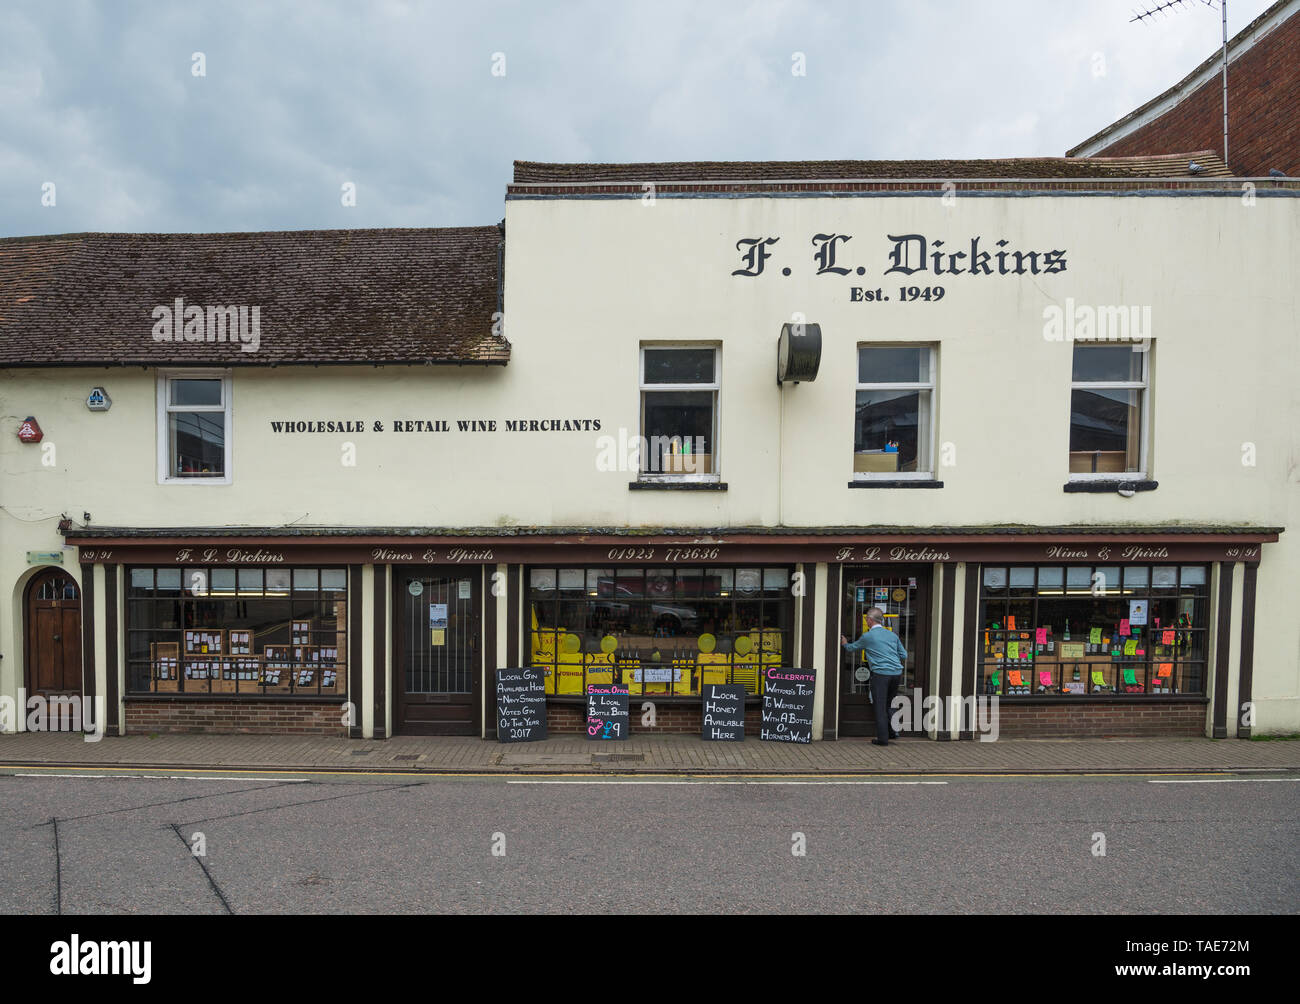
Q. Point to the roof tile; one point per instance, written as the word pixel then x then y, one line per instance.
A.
pixel 326 296
pixel 1173 165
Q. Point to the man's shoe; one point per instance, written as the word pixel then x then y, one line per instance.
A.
pixel 880 742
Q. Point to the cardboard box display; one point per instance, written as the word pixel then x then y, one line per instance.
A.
pixel 686 463
pixel 870 462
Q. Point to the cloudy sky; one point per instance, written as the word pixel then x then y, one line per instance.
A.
pixel 406 100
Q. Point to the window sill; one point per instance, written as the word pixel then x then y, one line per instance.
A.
pixel 227 698
pixel 678 486
pixel 1115 485
pixel 1100 698
pixel 896 483
pixel 751 700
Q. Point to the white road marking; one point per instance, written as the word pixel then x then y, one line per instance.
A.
pixel 706 781
pixel 149 777
pixel 1230 780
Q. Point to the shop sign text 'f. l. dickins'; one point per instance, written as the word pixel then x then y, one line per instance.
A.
pixel 907 255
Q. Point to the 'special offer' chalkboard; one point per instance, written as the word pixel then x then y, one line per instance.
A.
pixel 521 705
pixel 788 705
pixel 607 716
pixel 723 712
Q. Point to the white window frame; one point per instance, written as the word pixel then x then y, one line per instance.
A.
pixel 1144 385
pixel 930 419
pixel 165 377
pixel 715 475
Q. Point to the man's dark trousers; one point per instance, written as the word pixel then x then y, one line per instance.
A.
pixel 883 689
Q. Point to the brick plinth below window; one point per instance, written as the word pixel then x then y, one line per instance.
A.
pixel 235 717
pixel 1100 721
pixel 677 719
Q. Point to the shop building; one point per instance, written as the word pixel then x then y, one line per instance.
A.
pixel 1041 412
pixel 1263 97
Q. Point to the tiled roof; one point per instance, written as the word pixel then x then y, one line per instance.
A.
pixel 326 296
pixel 1162 166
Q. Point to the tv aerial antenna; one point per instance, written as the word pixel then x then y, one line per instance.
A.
pixel 1150 11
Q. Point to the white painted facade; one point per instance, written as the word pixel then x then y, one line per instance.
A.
pixel 589 281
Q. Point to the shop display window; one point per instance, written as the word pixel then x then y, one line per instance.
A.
pixel 1097 630
pixel 224 630
pixel 659 631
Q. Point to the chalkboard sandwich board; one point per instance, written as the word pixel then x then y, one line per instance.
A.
pixel 788 706
pixel 607 716
pixel 521 705
pixel 722 714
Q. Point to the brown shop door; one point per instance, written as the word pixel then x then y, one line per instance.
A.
pixel 53 622
pixel 904 596
pixel 437 651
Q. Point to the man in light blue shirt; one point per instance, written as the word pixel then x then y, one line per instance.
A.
pixel 885 657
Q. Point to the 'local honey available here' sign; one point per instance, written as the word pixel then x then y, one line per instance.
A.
pixel 723 712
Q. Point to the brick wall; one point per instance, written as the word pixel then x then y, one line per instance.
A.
pixel 1097 721
pixel 1263 112
pixel 232 717
pixel 567 719
pixel 1042 721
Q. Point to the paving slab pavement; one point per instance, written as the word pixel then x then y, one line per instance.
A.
pixel 676 754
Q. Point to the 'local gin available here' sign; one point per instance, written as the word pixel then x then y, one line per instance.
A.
pixel 521 705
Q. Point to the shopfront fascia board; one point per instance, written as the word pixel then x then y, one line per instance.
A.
pixel 1145 548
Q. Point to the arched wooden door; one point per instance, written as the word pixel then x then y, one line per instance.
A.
pixel 53 634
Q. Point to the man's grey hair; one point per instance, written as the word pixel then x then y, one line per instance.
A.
pixel 876 616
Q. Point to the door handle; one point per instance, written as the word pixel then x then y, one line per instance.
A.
pixel 58 637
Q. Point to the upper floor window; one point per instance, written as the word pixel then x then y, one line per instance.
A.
pixel 893 421
pixel 194 423
pixel 679 411
pixel 1108 416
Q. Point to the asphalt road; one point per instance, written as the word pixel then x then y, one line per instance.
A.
pixel 96 843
